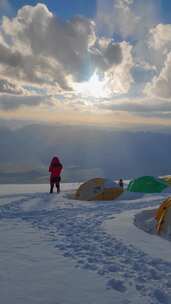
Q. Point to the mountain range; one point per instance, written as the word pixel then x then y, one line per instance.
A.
pixel 85 152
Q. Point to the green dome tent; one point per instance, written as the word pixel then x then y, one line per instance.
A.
pixel 147 184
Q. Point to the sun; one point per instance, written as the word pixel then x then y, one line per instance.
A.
pixel 94 87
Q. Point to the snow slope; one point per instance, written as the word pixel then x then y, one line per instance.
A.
pixel 57 250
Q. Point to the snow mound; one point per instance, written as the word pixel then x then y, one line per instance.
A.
pixel 145 220
pixel 126 195
pixel 167 190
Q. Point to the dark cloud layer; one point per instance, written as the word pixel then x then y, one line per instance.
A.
pixel 8 102
pixel 142 107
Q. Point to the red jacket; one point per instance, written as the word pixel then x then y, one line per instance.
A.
pixel 55 167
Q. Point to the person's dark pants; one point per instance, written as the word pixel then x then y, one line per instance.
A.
pixel 55 181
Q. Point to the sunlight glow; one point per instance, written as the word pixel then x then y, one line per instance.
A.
pixel 93 88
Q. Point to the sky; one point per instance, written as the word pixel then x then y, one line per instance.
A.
pixel 103 62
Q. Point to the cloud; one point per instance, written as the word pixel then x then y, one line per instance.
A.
pixel 116 17
pixel 160 86
pixel 126 18
pixel 30 68
pixel 143 107
pixel 54 56
pixel 133 21
pixel 12 102
pixel 8 57
pixel 160 36
pixel 119 76
pixel 10 88
pixel 38 47
pixel 38 31
pixel 106 53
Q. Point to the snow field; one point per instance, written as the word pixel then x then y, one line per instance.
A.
pixel 96 248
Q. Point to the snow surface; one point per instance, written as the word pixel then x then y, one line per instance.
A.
pixel 56 250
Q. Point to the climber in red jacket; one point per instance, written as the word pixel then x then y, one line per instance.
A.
pixel 55 168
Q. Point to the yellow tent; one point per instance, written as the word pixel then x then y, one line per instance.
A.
pixel 98 189
pixel 167 179
pixel 163 217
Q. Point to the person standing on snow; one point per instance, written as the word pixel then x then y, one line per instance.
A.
pixel 121 184
pixel 55 168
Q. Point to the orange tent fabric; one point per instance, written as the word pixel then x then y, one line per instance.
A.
pixel 161 213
